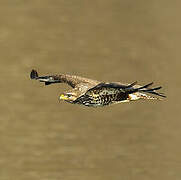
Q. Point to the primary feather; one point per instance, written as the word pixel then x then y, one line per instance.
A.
pixel 94 93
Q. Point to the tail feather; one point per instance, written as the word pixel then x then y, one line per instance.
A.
pixel 145 96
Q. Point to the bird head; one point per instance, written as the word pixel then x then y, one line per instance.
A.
pixel 69 96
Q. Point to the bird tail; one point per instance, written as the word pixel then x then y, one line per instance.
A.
pixel 145 89
pixel 46 79
pixel 138 95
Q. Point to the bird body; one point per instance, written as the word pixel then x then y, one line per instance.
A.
pixel 94 93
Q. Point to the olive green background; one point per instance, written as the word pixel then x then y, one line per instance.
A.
pixel 42 138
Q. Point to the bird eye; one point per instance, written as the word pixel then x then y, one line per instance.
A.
pixel 69 95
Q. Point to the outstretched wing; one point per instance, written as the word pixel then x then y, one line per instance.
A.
pixel 71 80
pixel 112 88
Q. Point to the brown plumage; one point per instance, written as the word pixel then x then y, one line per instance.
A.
pixel 94 93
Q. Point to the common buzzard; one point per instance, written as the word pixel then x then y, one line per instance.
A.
pixel 94 93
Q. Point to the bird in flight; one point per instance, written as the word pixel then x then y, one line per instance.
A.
pixel 94 93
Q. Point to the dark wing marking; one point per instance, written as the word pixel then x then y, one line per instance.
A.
pixel 71 80
pixel 46 79
pixel 112 85
pixel 128 89
pixel 34 74
pixel 150 90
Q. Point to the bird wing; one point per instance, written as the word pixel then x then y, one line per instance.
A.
pixel 112 88
pixel 71 80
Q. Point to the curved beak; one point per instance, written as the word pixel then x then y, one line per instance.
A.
pixel 63 97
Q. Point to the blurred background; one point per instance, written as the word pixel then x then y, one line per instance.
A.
pixel 44 139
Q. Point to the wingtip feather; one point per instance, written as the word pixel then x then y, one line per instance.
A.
pixel 34 74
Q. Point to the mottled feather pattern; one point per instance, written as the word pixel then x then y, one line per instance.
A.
pixel 101 97
pixel 93 93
